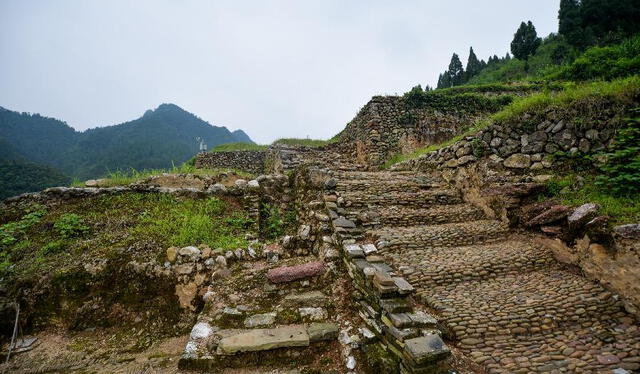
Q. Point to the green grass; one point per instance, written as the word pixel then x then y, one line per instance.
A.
pixel 227 147
pixel 621 91
pixel 313 143
pixel 37 238
pixel 124 178
pixel 193 222
pixel 622 209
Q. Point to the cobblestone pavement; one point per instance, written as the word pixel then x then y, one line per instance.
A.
pixel 504 301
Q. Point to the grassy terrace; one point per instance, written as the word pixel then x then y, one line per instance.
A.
pixel 102 224
pixel 620 91
pixel 126 177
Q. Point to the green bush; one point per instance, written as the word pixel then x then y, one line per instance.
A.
pixel 71 225
pixel 604 62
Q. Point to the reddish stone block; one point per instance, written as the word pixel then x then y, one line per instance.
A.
pixel 291 273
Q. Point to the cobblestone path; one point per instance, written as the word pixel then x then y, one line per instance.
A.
pixel 503 299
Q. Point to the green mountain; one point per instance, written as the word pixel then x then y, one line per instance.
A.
pixel 159 139
pixel 19 176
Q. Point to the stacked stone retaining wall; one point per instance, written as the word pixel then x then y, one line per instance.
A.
pixel 249 161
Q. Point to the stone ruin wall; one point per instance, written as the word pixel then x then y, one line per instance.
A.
pixel 249 161
pixel 385 126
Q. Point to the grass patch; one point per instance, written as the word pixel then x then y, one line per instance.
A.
pixel 35 239
pixel 621 90
pixel 124 178
pixel 242 146
pixel 575 191
pixel 313 143
pixel 192 222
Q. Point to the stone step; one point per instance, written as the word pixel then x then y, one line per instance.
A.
pixel 394 215
pixel 526 303
pixel 380 183
pixel 415 199
pixel 575 349
pixel 429 267
pixel 392 239
pixel 210 348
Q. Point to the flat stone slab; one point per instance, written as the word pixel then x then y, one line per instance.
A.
pixel 286 274
pixel 426 349
pixel 311 298
pixel 265 339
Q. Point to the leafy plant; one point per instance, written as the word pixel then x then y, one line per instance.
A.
pixel 621 172
pixel 272 224
pixel 53 247
pixel 71 225
pixel 477 148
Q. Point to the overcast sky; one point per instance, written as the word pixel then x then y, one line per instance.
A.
pixel 272 68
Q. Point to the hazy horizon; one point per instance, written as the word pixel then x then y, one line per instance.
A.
pixel 282 69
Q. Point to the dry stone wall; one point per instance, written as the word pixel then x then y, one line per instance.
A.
pixel 385 126
pixel 527 144
pixel 249 161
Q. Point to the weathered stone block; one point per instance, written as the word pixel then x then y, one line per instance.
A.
pixel 291 273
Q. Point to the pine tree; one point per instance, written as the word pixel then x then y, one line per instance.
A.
pixel 473 65
pixel 568 17
pixel 444 81
pixel 507 57
pixel 525 41
pixel 456 71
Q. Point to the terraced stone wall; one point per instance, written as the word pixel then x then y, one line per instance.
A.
pixel 530 142
pixel 249 161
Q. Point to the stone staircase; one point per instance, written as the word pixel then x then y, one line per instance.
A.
pixel 501 298
pixel 278 314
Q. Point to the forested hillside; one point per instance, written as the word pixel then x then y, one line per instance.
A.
pixel 159 139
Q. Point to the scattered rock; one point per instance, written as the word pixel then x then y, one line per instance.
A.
pixel 313 313
pixel 553 214
pixel 201 330
pixel 351 362
pixel 582 214
pixel 322 331
pixel 344 223
pixel 189 251
pixel 630 231
pixel 257 320
pixel 172 254
pixel 186 293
